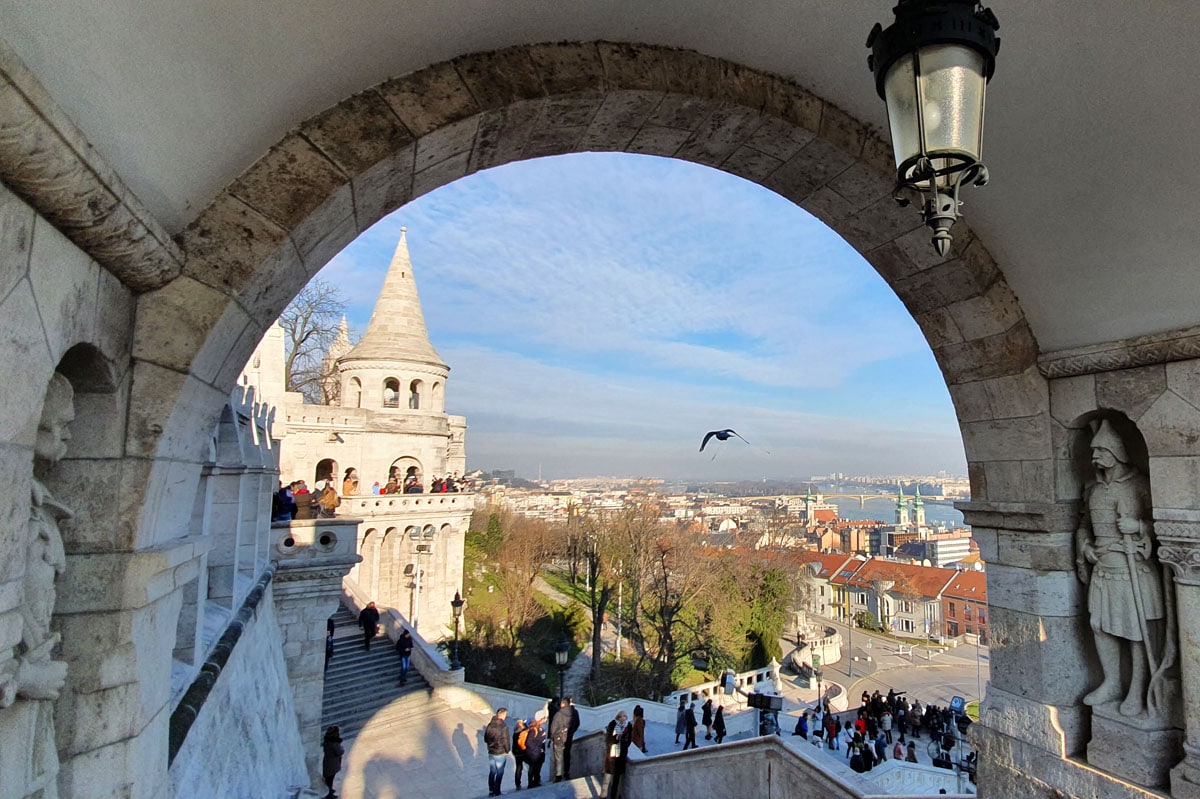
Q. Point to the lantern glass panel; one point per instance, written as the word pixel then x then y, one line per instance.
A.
pixel 952 90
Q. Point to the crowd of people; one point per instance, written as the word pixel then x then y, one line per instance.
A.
pixel 296 501
pixel 551 732
pixel 884 726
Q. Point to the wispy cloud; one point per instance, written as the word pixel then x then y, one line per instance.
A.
pixel 601 311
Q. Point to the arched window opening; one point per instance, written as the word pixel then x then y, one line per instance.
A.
pixel 391 393
pixel 326 469
pixel 414 395
pixel 355 393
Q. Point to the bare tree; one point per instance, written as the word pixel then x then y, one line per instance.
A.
pixel 310 324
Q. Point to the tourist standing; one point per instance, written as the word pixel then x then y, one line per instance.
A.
pixel 638 735
pixel 680 719
pixel 689 721
pixel 535 747
pixel 719 724
pixel 706 720
pixel 572 728
pixel 559 725
pixel 404 647
pixel 498 740
pixel 617 738
pixel 331 760
pixel 368 620
pixel 520 736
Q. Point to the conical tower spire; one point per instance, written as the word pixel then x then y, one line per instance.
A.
pixel 397 331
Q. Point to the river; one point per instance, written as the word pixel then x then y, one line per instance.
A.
pixel 884 509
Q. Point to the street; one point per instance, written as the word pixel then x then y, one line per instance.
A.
pixel 924 674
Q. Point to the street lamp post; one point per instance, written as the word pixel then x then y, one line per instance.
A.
pixel 560 659
pixel 456 605
pixel 816 664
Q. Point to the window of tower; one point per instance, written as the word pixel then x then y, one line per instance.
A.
pixel 355 393
pixel 391 393
pixel 414 395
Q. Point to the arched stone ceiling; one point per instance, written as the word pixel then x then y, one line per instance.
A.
pixel 1090 210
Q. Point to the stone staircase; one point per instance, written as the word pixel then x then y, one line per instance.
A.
pixel 362 686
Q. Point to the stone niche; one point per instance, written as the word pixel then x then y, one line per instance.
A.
pixel 1130 605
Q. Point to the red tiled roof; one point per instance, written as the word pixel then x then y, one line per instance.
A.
pixel 924 581
pixel 970 585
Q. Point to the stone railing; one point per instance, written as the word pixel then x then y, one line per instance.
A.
pixel 766 766
pixel 426 658
pixel 367 505
pixel 747 682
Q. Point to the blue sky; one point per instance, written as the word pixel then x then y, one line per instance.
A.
pixel 601 312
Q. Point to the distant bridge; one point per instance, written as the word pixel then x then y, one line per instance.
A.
pixel 862 498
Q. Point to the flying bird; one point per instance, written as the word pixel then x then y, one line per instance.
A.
pixel 720 435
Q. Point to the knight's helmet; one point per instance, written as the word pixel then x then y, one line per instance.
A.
pixel 1105 437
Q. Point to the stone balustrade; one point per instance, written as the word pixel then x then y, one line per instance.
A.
pixel 365 506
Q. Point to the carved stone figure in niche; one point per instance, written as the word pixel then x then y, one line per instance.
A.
pixel 1132 616
pixel 31 679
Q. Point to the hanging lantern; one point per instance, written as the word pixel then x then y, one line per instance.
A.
pixel 931 67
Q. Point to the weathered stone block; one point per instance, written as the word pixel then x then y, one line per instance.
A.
pixel 995 311
pixel 1010 352
pixel 175 321
pixel 1173 481
pixel 450 141
pixel 654 140
pixel 429 99
pixel 882 221
pixel 24 342
pixel 1183 377
pixel 971 401
pixel 1131 391
pixel 383 187
pixel 720 134
pixel 1148 762
pixel 828 206
pixel 632 66
pixel 441 173
pixel 750 164
pixel 64 281
pixel 1060 729
pixel 500 77
pixel 290 182
pixel 793 104
pixel 937 325
pixel 1007 439
pixel 619 119
pixel 1046 659
pixel 1035 590
pixel 503 133
pixel 358 132
pixel 810 168
pixel 16 240
pixel 1170 426
pixel 842 130
pixel 861 186
pixel 228 243
pixel 116 308
pixel 335 214
pixel 690 73
pixel 569 67
pixel 1072 397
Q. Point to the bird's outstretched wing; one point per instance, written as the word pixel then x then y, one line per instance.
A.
pixel 707 436
pixel 734 433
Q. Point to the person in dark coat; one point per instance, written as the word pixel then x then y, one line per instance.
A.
pixel 331 761
pixel 535 748
pixel 404 648
pixel 719 725
pixel 368 620
pixel 638 727
pixel 518 752
pixel 560 723
pixel 572 728
pixel 680 718
pixel 706 720
pixel 689 721
pixel 498 740
pixel 618 735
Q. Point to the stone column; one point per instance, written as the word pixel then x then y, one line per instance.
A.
pixel 314 555
pixel 1179 548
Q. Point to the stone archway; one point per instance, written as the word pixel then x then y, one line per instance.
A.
pixel 273 228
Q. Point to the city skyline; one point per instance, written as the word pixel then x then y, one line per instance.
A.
pixel 601 312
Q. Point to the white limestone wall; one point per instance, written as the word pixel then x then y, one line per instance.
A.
pixel 245 741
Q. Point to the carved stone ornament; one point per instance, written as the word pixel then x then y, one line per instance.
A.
pixel 30 679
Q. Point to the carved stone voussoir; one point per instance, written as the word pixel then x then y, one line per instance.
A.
pixel 46 161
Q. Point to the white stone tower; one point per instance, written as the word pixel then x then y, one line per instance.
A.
pixel 901 507
pixel 918 509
